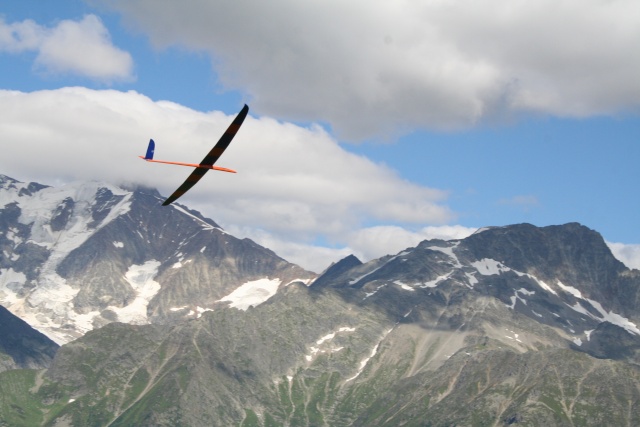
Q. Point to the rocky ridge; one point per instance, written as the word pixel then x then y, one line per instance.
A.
pixel 21 346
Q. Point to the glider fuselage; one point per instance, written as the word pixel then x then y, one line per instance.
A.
pixel 206 163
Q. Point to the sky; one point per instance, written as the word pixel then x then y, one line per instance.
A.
pixel 373 125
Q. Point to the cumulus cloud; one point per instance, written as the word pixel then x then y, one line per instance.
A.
pixel 374 242
pixel 295 182
pixel 82 48
pixel 375 67
pixel 366 243
pixel 629 254
pixel 20 36
pixel 311 256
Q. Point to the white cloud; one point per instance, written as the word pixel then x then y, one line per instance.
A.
pixel 365 243
pixel 629 254
pixel 308 255
pixel 81 48
pixel 374 242
pixel 372 67
pixel 20 36
pixel 297 183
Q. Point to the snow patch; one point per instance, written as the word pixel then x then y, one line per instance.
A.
pixel 10 282
pixel 140 277
pixel 404 286
pixel 605 316
pixel 517 297
pixel 369 294
pixel 357 279
pixel 471 278
pixel 305 281
pixel 543 285
pixel 435 282
pixel 580 309
pixel 12 234
pixel 52 296
pixel 205 225
pixel 39 208
pixel 482 229
pixel 252 293
pixel 616 319
pixel 199 311
pixel 313 350
pixel 449 252
pixel 489 267
pixel 515 336
pixel 364 362
pixel 118 244
pixel 570 289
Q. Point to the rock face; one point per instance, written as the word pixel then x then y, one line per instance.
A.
pixel 21 346
pixel 78 257
pixel 514 325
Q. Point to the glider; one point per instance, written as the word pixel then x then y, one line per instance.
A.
pixel 206 163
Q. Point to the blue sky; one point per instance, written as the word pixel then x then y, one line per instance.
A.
pixel 372 125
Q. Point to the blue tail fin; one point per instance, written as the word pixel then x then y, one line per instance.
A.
pixel 150 150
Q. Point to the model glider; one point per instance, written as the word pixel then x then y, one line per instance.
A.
pixel 206 163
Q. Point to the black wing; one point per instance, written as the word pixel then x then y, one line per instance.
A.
pixel 210 158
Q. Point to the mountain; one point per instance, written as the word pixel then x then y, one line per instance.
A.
pixel 516 325
pixel 77 257
pixel 21 346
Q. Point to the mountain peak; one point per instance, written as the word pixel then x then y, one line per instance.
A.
pixel 89 253
pixel 335 270
pixel 573 252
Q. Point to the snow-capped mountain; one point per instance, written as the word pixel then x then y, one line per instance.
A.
pixel 82 255
pixel 564 277
pixel 514 325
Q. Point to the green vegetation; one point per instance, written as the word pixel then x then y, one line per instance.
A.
pixel 26 399
pixel 216 372
pixel 17 406
pixel 136 386
pixel 251 419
